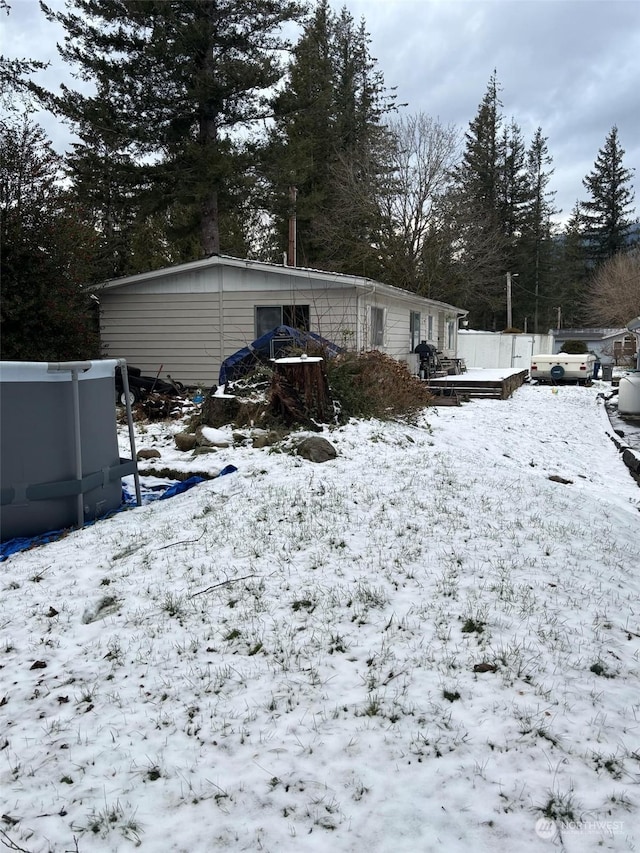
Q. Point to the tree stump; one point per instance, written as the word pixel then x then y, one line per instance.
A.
pixel 300 390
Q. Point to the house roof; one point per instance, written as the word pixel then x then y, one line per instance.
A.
pixel 326 279
pixel 587 334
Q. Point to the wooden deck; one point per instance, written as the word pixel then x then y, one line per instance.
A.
pixel 479 383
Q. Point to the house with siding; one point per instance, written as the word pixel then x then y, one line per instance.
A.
pixel 185 320
pixel 612 346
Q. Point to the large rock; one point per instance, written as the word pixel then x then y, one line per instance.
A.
pixel 316 449
pixel 208 437
pixel 631 461
pixel 266 439
pixel 147 454
pixel 185 440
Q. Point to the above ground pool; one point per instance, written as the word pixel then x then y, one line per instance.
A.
pixel 59 460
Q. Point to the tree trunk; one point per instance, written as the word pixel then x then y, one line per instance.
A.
pixel 210 225
pixel 300 391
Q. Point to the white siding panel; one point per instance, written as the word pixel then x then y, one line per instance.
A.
pixel 331 313
pixel 192 281
pixel 191 317
pixel 179 333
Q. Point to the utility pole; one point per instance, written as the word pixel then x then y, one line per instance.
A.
pixel 293 194
pixel 509 312
pixel 559 316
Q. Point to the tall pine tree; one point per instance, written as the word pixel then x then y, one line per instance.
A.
pixel 572 269
pixel 478 205
pixel 327 142
pixel 607 212
pixel 174 79
pixel 46 254
pixel 535 248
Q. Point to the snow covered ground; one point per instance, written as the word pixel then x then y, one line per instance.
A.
pixel 424 644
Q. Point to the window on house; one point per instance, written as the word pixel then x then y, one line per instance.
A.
pixel 268 317
pixel 377 327
pixel 430 327
pixel 450 335
pixel 414 329
pixel 296 316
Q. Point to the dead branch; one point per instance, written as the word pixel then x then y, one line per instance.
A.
pixel 183 542
pixel 223 583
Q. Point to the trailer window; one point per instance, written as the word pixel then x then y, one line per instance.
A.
pixel 269 317
pixel 450 335
pixel 377 327
pixel 414 329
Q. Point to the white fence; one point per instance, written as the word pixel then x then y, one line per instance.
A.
pixel 495 349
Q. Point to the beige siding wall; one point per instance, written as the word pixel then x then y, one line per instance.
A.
pixel 189 323
pixel 397 332
pixel 331 313
pixel 181 332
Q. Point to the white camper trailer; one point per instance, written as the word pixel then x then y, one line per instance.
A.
pixel 562 367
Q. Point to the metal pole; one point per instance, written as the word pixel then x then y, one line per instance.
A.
pixel 74 367
pixel 122 362
pixel 509 317
pixel 75 392
pixel 293 248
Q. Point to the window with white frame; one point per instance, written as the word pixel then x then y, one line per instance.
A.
pixel 377 328
pixel 414 329
pixel 430 327
pixel 269 317
pixel 451 338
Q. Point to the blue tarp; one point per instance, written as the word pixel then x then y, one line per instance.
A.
pixel 245 360
pixel 153 493
pixel 163 491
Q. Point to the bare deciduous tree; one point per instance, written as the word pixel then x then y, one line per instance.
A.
pixel 422 159
pixel 614 294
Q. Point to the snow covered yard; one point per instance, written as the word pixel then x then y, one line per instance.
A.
pixel 425 644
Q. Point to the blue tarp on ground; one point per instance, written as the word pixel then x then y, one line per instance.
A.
pixel 154 493
pixel 260 351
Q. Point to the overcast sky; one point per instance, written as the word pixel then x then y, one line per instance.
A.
pixel 571 67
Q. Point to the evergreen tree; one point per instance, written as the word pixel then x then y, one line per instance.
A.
pixel 101 170
pixel 535 249
pixel 573 270
pixel 14 73
pixel 607 212
pixel 512 180
pixel 174 78
pixel 304 138
pixel 478 205
pixel 327 141
pixel 46 254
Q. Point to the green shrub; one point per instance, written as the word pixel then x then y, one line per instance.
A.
pixel 574 348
